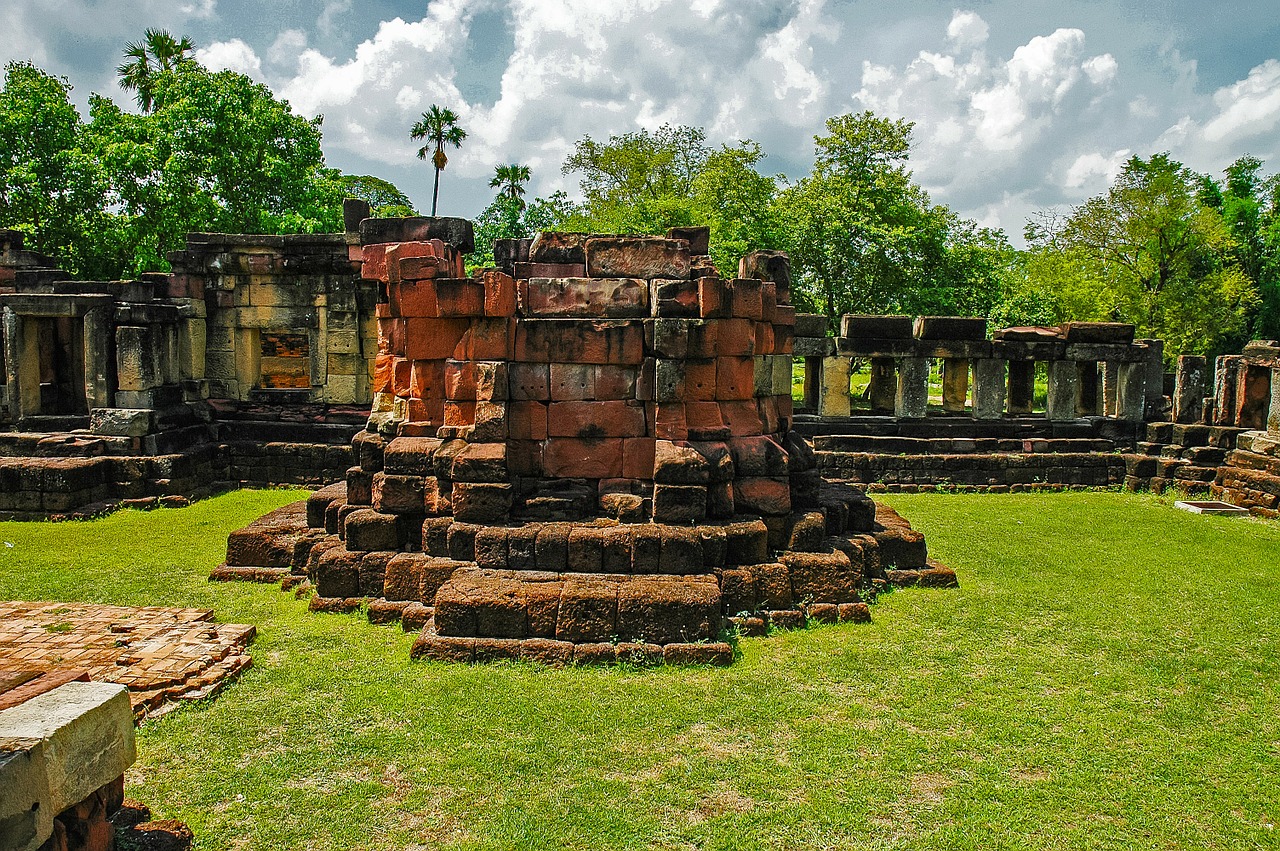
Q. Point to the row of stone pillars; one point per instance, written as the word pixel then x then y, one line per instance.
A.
pixel 900 386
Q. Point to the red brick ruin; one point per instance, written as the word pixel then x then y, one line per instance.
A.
pixel 585 455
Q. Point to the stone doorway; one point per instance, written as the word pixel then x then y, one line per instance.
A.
pixel 59 347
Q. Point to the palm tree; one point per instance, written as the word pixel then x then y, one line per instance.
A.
pixel 512 179
pixel 439 127
pixel 158 52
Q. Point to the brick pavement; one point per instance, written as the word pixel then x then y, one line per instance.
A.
pixel 162 655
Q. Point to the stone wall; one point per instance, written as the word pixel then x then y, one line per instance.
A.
pixel 286 317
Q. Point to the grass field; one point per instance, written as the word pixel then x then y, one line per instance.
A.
pixel 1106 677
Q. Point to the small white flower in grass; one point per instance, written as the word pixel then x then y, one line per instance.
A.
pixel 8 544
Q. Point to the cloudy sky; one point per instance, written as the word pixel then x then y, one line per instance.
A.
pixel 1018 105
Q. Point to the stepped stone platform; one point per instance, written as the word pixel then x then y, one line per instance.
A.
pixel 162 655
pixel 584 455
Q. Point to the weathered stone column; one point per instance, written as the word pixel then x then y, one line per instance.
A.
pixel 1273 412
pixel 1226 376
pixel 1110 380
pixel 884 385
pixel 1188 389
pixel 1155 378
pixel 97 358
pixel 1087 389
pixel 835 387
pixel 1022 386
pixel 913 388
pixel 988 388
pixel 812 382
pixel 1064 390
pixel 955 385
pixel 22 365
pixel 1131 390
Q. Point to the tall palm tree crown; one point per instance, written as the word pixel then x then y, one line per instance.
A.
pixel 512 179
pixel 438 127
pixel 145 60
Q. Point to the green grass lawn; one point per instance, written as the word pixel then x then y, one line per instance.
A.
pixel 1106 677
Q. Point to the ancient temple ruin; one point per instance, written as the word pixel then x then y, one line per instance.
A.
pixel 585 455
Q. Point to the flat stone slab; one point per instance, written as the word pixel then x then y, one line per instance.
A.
pixel 1212 507
pixel 162 655
pixel 56 750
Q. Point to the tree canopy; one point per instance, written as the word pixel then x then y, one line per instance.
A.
pixel 1148 251
pixel 210 151
pixel 865 239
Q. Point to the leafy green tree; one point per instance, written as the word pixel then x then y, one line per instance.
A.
pixel 383 196
pixel 648 181
pixel 1250 207
pixel 438 127
pixel 1148 251
pixel 864 238
pixel 145 60
pixel 50 188
pixel 218 152
pixel 509 217
pixel 511 179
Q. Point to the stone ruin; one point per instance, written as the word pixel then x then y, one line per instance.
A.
pixel 1247 398
pixel 584 455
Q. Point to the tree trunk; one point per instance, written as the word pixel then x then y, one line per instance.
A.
pixel 435 194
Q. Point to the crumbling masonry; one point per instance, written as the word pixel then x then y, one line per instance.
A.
pixel 585 455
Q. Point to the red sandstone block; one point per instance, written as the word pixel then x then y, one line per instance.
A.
pixel 636 257
pixel 615 382
pixel 585 297
pixel 598 341
pixel 572 382
pixel 763 495
pixel 768 408
pixel 742 418
pixel 384 377
pixel 499 294
pixel 427 380
pixel 490 422
pixel 524 457
pixel 745 299
pixel 768 301
pixel 703 337
pixel 758 456
pixel 784 339
pixel 460 297
pixel 417 268
pixel 391 336
pixel 785 315
pixel 675 298
pixel 374 260
pixel 434 339
pixel 713 298
pixel 401 371
pixel 735 337
pixel 487 339
pixel 460 380
pixel 735 378
pixel 584 458
pixel 637 457
pixel 426 411
pixel 764 338
pixel 595 419
pixel 786 410
pixel 414 299
pixel 703 416
pixel 550 270
pixel 700 380
pixel 529 381
pixel 669 421
pixel 459 413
